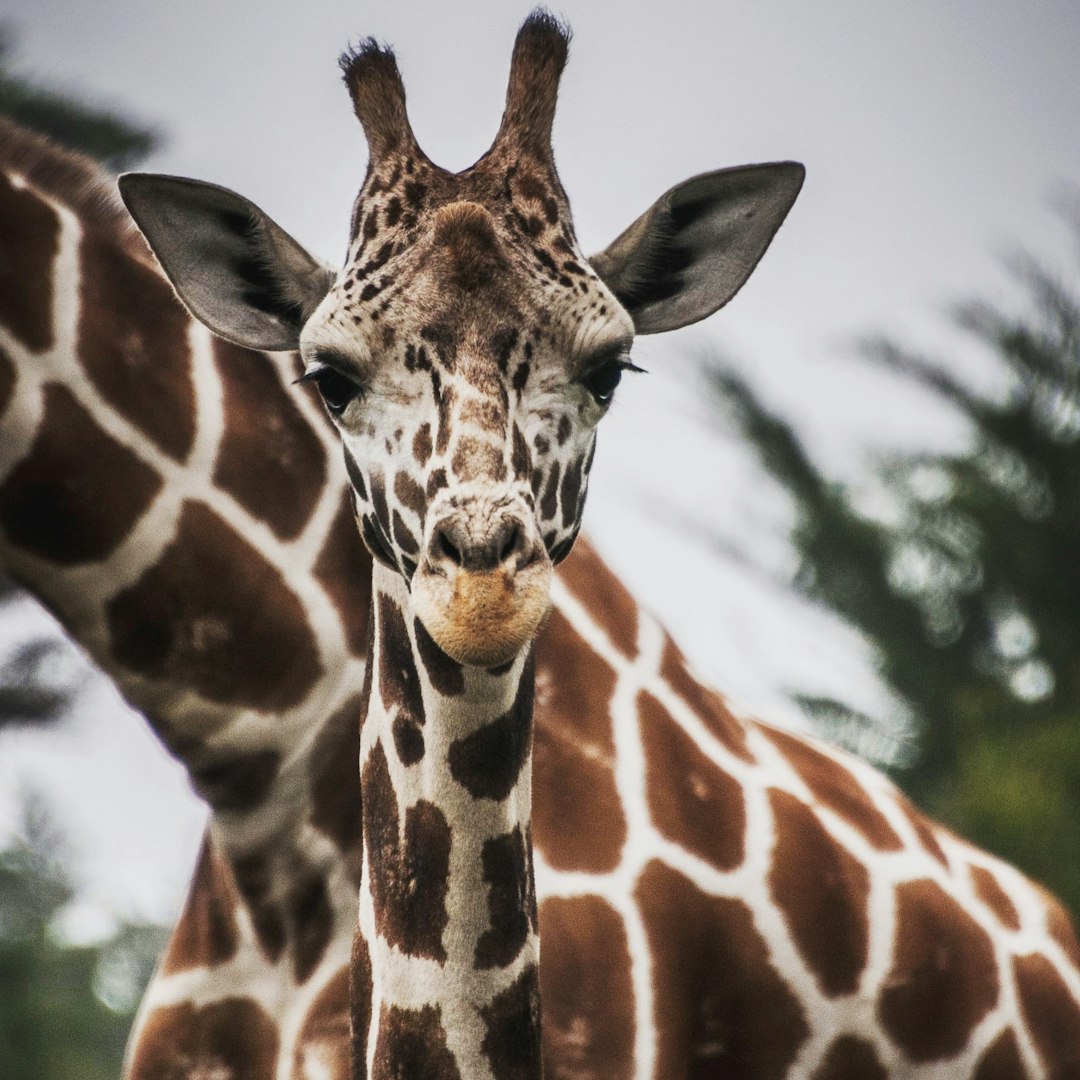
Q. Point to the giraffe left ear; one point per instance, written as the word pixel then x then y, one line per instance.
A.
pixel 236 270
pixel 693 249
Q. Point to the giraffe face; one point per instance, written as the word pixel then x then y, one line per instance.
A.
pixel 467 352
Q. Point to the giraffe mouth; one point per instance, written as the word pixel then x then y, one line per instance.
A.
pixel 483 618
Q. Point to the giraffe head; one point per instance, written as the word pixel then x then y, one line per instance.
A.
pixel 467 350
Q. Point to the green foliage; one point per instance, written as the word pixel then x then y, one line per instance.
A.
pixel 961 570
pixel 65 1010
pixel 111 138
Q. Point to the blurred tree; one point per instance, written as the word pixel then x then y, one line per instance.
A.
pixel 961 570
pixel 114 140
pixel 65 1009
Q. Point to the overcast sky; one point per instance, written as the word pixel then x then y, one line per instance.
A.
pixel 934 133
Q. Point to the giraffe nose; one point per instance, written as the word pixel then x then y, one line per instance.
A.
pixel 499 543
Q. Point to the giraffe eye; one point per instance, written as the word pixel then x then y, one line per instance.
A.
pixel 337 390
pixel 602 381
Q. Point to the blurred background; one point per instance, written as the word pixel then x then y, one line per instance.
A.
pixel 853 496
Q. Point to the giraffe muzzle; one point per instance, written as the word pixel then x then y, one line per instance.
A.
pixel 483 588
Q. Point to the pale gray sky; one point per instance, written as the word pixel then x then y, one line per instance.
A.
pixel 934 132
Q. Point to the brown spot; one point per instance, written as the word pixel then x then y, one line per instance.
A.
pixel 721 1008
pixel 511 1042
pixel 312 922
pixel 399 683
pixel 322 1047
pixel 436 482
pixel 519 457
pixel 577 812
pixel 924 832
pixel 571 488
pixel 563 432
pixel 255 880
pixel 360 991
pixel 378 503
pixel 213 615
pixel 488 762
pixel 1052 1015
pixel 422 444
pixel 850 1058
pixel 207 933
pixel 692 802
pixel 412 1043
pixel 446 674
pixel 549 501
pixel 1059 925
pixel 603 597
pixel 1001 1060
pixel 484 414
pixel 586 990
pixel 408 877
pixel 230 1039
pixel 133 344
pixel 474 459
pixel 233 781
pixel 822 892
pixel 511 899
pixel 834 786
pixel 77 494
pixel 408 740
pixel 403 536
pixel 344 570
pixel 707 704
pixel 445 400
pixel 7 380
pixel 31 232
pixel 410 494
pixel 335 781
pixel 943 979
pixel 989 891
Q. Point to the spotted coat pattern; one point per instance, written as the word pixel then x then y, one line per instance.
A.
pixel 669 950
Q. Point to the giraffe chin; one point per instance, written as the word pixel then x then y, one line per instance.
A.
pixel 483 619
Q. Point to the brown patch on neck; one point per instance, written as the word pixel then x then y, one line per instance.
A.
pixel 207 933
pixel 31 232
pixel 943 979
pixel 70 178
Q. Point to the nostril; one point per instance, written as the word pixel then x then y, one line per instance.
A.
pixel 445 547
pixel 511 543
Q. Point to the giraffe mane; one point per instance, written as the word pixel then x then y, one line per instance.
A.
pixel 72 178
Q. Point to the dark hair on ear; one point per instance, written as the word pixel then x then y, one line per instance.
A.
pixel 378 95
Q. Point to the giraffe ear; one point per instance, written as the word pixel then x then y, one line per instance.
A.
pixel 235 269
pixel 691 251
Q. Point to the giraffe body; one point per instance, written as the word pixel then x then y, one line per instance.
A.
pixel 715 897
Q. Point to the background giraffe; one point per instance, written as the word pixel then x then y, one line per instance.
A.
pixel 771 918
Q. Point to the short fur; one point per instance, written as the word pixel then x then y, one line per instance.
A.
pixel 540 53
pixel 74 179
pixel 378 96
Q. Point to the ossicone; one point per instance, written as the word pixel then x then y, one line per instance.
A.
pixel 378 95
pixel 540 52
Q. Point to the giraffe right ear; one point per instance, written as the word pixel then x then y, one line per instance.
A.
pixel 237 271
pixel 693 249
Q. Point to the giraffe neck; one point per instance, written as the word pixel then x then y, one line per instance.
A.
pixel 447 925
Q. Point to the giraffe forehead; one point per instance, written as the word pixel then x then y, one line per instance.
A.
pixel 462 260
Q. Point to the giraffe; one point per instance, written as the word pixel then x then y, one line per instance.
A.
pixel 715 897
